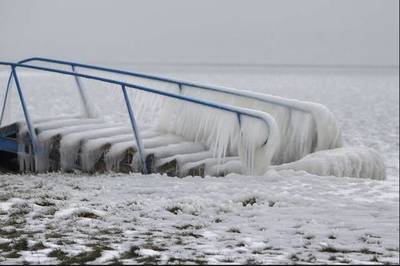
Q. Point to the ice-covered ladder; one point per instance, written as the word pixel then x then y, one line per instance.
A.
pixel 304 127
pixel 9 134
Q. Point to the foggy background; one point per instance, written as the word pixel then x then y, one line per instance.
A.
pixel 307 32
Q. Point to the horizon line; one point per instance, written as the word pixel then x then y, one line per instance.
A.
pixel 259 65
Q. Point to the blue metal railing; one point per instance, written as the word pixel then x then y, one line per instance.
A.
pixel 179 83
pixel 266 118
pixel 3 109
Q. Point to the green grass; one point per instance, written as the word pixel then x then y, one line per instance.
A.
pixel 54 235
pixel 181 261
pixel 374 259
pixel 44 202
pixel 85 214
pixel 81 258
pixel 10 233
pixel 330 249
pixel 131 253
pixel 21 244
pixel 5 247
pixel 57 253
pixel 13 255
pixel 332 236
pixel 191 234
pixel 188 226
pixel 15 221
pixel 38 246
pixel 84 257
pixel 234 230
pixel 14 247
pixel 20 210
pixel 250 201
pixel 294 257
pixel 218 220
pixel 309 237
pixel 51 211
pixel 62 242
pixel 368 251
pixel 175 210
pixel 152 246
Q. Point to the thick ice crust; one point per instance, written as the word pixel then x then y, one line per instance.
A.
pixel 361 162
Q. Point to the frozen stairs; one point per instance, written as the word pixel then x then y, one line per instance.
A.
pixel 92 145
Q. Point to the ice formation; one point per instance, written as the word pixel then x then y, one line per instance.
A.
pixel 359 162
pixel 253 138
pixel 308 127
pixel 286 133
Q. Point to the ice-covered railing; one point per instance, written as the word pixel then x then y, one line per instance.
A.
pixel 252 134
pixel 304 127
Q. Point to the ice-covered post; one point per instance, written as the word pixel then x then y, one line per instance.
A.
pixel 135 131
pixel 88 112
pixel 26 114
pixel 3 109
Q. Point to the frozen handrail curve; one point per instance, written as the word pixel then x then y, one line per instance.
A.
pixel 327 131
pixel 268 146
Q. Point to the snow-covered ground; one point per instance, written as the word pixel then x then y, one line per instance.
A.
pixel 281 217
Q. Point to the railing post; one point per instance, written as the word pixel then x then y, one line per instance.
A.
pixel 135 131
pixel 3 109
pixel 83 95
pixel 26 113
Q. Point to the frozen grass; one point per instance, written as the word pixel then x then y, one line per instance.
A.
pixel 280 217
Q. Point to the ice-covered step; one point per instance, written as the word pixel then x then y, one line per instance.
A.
pixel 120 157
pixel 210 166
pixel 20 128
pixel 50 141
pixel 64 131
pixel 93 151
pixel 71 144
pixel 93 145
pixel 48 123
pixel 96 152
pixel 153 155
pixel 171 165
pixel 231 166
pixel 65 123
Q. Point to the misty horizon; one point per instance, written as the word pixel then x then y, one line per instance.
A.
pixel 224 33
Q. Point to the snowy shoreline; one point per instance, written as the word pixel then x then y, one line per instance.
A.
pixel 281 217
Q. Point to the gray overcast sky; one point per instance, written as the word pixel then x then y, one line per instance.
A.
pixel 327 32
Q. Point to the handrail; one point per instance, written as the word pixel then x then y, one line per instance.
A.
pixel 239 111
pixel 180 83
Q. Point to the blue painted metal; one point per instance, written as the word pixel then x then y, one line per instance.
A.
pixel 9 131
pixel 135 130
pixel 28 120
pixel 82 94
pixel 8 144
pixel 232 109
pixel 3 109
pixel 228 108
pixel 179 83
